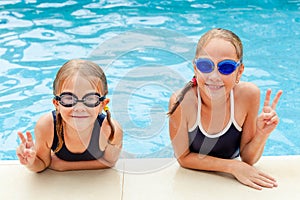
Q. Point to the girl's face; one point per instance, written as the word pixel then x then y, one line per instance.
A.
pixel 214 84
pixel 79 117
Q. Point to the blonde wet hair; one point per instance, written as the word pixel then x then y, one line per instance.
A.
pixel 219 33
pixel 90 72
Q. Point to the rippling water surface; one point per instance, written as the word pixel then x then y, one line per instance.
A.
pixel 146 50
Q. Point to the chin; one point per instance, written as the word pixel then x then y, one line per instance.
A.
pixel 216 94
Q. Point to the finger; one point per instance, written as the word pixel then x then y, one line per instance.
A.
pixel 26 156
pixel 276 99
pixel 22 160
pixel 267 109
pixel 267 99
pixel 29 142
pixel 266 176
pixel 20 154
pixel 20 149
pixel 263 182
pixel 273 120
pixel 29 136
pixel 269 113
pixel 22 137
pixel 253 185
pixel 269 178
pixel 30 153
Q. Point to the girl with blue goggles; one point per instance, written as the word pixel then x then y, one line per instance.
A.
pixel 214 119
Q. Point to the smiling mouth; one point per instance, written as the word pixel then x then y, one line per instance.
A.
pixel 214 87
pixel 80 117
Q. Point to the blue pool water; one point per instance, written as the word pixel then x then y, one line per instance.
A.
pixel 146 50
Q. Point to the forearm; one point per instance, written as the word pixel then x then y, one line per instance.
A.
pixel 113 148
pixel 207 163
pixel 62 165
pixel 112 153
pixel 108 160
pixel 252 151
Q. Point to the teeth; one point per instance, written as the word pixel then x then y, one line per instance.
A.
pixel 214 86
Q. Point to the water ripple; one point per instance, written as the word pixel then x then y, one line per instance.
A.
pixel 56 5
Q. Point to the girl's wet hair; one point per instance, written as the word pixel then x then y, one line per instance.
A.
pixel 92 73
pixel 224 34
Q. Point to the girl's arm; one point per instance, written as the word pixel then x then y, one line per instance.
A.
pixel 178 128
pixel 36 157
pixel 113 147
pixel 245 173
pixel 256 130
pixel 62 165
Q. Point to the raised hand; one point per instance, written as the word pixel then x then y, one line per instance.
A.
pixel 26 151
pixel 268 119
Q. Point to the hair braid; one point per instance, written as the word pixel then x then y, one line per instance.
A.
pixel 59 131
pixel 180 97
pixel 106 109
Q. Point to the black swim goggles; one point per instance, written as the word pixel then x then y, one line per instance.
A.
pixel 68 99
pixel 206 65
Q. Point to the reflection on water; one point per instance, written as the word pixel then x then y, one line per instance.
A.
pixel 146 50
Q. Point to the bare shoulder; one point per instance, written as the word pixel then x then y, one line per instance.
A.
pixel 189 97
pixel 44 129
pixel 184 115
pixel 174 97
pixel 247 92
pixel 45 122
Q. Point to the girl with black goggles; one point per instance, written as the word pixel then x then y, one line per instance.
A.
pixel 68 99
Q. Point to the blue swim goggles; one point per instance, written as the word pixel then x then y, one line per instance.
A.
pixel 226 67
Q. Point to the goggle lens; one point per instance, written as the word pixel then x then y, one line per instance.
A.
pixel 225 67
pixel 68 99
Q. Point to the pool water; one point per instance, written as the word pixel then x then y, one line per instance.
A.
pixel 146 50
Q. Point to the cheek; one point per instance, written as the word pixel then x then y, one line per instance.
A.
pixel 96 110
pixel 229 79
pixel 64 111
pixel 200 77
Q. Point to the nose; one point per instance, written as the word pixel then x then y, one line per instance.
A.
pixel 79 106
pixel 214 75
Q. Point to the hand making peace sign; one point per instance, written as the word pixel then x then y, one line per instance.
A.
pixel 26 152
pixel 268 119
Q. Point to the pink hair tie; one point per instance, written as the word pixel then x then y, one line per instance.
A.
pixel 194 81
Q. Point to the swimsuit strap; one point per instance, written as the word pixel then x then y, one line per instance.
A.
pixel 231 120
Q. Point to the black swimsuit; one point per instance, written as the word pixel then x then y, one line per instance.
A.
pixel 222 145
pixel 92 152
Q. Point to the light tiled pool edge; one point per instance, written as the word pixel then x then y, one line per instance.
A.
pixel 170 182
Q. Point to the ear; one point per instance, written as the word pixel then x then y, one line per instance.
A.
pixel 104 103
pixel 56 104
pixel 195 69
pixel 240 72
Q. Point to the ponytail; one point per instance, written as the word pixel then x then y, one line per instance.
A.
pixel 112 132
pixel 180 97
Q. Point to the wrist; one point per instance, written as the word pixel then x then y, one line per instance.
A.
pixel 231 165
pixel 37 165
pixel 261 135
